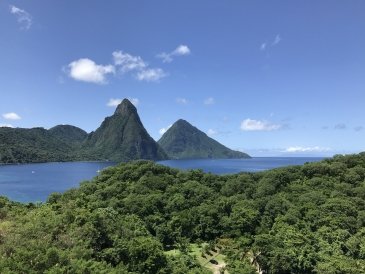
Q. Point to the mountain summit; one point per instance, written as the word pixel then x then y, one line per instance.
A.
pixel 122 137
pixel 184 141
pixel 125 108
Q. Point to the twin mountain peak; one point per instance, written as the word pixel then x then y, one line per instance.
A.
pixel 120 137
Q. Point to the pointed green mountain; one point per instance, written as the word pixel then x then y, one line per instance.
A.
pixel 184 141
pixel 122 137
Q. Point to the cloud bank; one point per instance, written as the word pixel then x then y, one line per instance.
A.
pixel 258 125
pixel 11 116
pixel 295 149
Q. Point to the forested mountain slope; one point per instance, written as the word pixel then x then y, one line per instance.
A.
pixel 184 141
pixel 121 137
pixel 21 145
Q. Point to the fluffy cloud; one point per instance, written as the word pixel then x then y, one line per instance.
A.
pixel 258 125
pixel 212 132
pixel 164 129
pixel 115 102
pixel 88 71
pixel 6 125
pixel 23 17
pixel 181 50
pixel 182 101
pixel 307 149
pixel 151 75
pixel 209 101
pixel 128 62
pixel 358 128
pixel 11 116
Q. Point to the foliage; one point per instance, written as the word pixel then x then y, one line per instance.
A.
pixel 184 141
pixel 120 137
pixel 303 219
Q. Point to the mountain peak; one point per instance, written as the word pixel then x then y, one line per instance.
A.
pixel 184 141
pixel 182 122
pixel 125 107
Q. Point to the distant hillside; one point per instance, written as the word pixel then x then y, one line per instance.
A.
pixel 20 145
pixel 184 141
pixel 122 137
pixel 68 133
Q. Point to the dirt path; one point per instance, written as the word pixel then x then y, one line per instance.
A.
pixel 217 268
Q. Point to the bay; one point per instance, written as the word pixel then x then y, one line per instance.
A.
pixel 230 166
pixel 34 182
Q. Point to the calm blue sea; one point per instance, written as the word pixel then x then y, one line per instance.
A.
pixel 34 182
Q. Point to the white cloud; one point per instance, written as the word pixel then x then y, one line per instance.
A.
pixel 6 125
pixel 258 125
pixel 209 101
pixel 134 101
pixel 88 71
pixel 128 62
pixel 114 102
pixel 23 17
pixel 181 50
pixel 166 57
pixel 212 132
pixel 11 116
pixel 294 149
pixel 151 75
pixel 164 129
pixel 276 40
pixel 263 46
pixel 182 101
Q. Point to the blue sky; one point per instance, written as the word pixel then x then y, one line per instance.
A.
pixel 270 78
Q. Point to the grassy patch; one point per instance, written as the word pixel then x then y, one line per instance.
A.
pixel 213 260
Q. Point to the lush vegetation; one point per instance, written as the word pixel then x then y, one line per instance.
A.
pixel 19 145
pixel 184 141
pixel 140 217
pixel 120 137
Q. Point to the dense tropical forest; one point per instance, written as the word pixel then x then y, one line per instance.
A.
pixel 140 217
